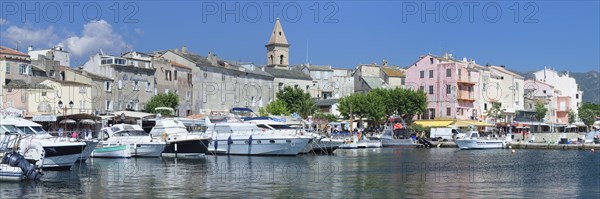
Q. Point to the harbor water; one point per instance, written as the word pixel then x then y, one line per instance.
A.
pixel 356 173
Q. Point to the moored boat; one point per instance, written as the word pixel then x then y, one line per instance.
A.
pixel 179 142
pixel 472 140
pixel 112 151
pixel 249 139
pixel 141 144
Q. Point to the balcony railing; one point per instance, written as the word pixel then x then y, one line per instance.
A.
pixel 465 97
pixel 469 80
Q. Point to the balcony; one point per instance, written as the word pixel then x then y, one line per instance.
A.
pixel 465 97
pixel 466 80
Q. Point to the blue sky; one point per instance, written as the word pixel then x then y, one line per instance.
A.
pixel 560 34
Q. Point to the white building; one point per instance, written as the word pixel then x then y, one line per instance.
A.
pixel 499 85
pixel 567 91
pixel 56 54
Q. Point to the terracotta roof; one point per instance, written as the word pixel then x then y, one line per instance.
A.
pixel 179 65
pixel 393 72
pixel 10 51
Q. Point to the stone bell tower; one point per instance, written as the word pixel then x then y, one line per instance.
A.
pixel 278 48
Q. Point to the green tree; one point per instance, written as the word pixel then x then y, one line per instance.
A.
pixel 170 100
pixel 572 117
pixel 496 111
pixel 375 107
pixel 326 116
pixel 307 107
pixel 262 112
pixel 414 103
pixel 356 102
pixel 277 107
pixel 292 98
pixel 588 113
pixel 540 111
pixel 387 99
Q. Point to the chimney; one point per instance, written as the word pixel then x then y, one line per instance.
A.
pixel 30 48
pixel 176 50
pixel 502 66
pixel 184 49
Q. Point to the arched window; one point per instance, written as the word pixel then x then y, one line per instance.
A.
pixel 272 60
pixel 281 59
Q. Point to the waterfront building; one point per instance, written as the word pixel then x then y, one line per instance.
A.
pixel 500 85
pixel 328 82
pixel 450 85
pixel 538 92
pixel 66 92
pixel 133 81
pixel 219 85
pixel 393 76
pixel 56 54
pixel 568 94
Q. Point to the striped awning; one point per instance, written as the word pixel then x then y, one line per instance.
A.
pixel 433 123
pixel 466 123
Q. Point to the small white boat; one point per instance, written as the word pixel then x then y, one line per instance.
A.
pixel 349 143
pixel 374 143
pixel 9 173
pixel 112 151
pixel 141 144
pixel 473 141
pixel 14 166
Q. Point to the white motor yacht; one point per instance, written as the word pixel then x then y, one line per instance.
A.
pixel 315 144
pixel 472 140
pixel 249 139
pixel 140 143
pixel 179 142
pixel 59 153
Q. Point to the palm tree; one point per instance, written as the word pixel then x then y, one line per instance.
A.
pixel 307 107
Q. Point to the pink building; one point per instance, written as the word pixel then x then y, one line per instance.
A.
pixel 450 85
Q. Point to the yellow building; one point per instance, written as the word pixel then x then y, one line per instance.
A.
pixel 79 93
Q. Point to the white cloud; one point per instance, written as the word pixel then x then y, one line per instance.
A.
pixel 24 36
pixel 139 31
pixel 3 21
pixel 96 36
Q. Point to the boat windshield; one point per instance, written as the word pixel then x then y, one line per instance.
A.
pixel 26 130
pixel 9 128
pixel 131 133
pixel 39 130
pixel 279 126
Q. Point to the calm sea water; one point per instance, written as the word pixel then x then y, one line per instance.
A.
pixel 358 173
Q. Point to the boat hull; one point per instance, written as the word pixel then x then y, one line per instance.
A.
pixel 59 157
pixel 325 146
pixel 400 143
pixel 87 152
pixel 147 150
pixel 351 145
pixel 10 174
pixel 466 144
pixel 268 147
pixel 190 147
pixel 118 151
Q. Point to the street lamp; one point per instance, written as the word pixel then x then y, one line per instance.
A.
pixel 60 106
